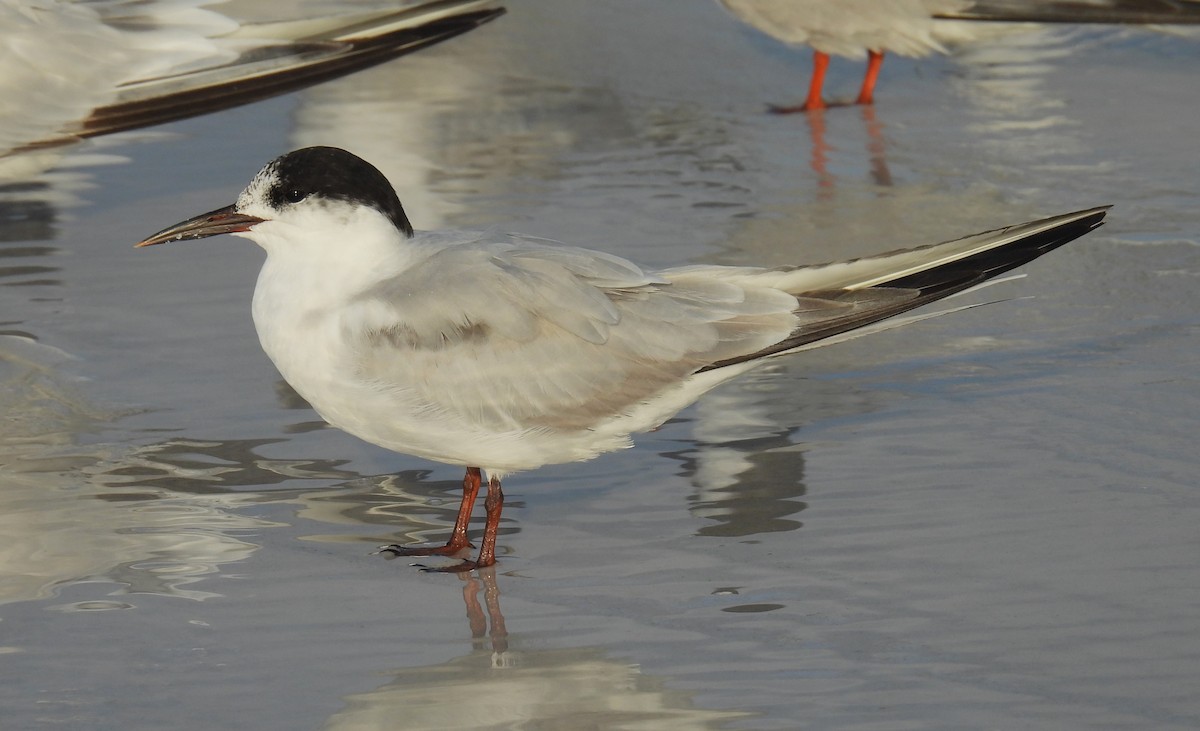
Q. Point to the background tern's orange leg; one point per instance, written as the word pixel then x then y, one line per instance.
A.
pixel 867 94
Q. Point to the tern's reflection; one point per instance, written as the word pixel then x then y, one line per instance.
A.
pixel 199 466
pixel 63 524
pixel 746 467
pixel 496 686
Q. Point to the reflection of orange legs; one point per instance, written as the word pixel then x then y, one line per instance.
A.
pixel 866 95
pixel 819 160
pixel 475 615
pixel 820 151
pixel 876 147
pixel 493 504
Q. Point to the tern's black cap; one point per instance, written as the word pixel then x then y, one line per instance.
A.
pixel 334 174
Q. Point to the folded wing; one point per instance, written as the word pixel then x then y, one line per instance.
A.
pixel 517 333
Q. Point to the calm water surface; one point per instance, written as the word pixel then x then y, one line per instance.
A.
pixel 987 520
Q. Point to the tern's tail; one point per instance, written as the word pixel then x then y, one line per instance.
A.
pixel 866 291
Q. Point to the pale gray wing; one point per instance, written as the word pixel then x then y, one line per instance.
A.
pixel 521 335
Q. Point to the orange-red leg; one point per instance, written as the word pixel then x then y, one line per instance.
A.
pixel 458 538
pixel 866 95
pixel 493 505
pixel 815 87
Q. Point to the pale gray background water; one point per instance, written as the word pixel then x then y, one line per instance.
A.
pixel 988 520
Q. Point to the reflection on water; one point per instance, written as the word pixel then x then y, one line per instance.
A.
pixel 744 463
pixel 197 467
pixel 868 192
pixel 821 151
pixel 1017 122
pixel 22 216
pixel 61 527
pixel 27 216
pixel 439 148
pixel 466 148
pixel 403 508
pixel 400 507
pixel 39 189
pixel 497 686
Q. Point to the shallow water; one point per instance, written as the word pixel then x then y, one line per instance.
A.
pixel 985 520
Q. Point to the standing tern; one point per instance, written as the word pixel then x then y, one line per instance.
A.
pixel 503 353
pixel 857 28
pixel 70 70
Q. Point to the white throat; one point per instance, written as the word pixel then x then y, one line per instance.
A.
pixel 320 256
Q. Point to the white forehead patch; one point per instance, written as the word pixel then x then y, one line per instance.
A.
pixel 255 194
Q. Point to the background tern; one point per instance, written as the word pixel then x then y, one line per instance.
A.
pixel 70 70
pixel 501 352
pixel 871 28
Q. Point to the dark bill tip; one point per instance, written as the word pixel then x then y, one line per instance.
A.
pixel 221 221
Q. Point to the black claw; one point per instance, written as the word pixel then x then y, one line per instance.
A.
pixel 457 568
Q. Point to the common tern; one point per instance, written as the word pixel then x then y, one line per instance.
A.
pixel 503 352
pixel 857 28
pixel 70 70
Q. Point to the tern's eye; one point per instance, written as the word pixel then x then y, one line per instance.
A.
pixel 295 196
